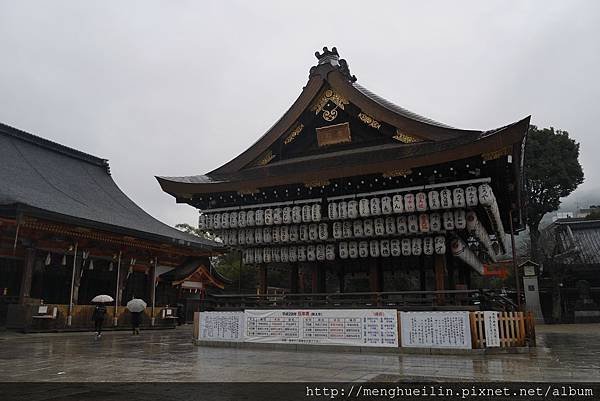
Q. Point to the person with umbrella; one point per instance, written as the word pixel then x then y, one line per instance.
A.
pixel 136 306
pixel 100 313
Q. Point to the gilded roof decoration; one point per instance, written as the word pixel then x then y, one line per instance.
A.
pixel 317 183
pixel 370 121
pixel 333 97
pixel 265 158
pixel 294 134
pixel 405 138
pixel 397 173
pixel 505 151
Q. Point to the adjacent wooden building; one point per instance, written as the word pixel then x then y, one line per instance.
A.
pixel 68 233
pixel 347 184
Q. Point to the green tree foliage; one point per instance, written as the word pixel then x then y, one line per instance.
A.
pixel 552 172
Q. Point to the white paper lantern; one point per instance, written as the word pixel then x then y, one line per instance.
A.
pixel 406 246
pixel 368 229
pixel 311 253
pixel 386 205
pixel 224 236
pixel 460 219
pixel 320 250
pixel 313 232
pixel 323 231
pixel 232 237
pixel 462 252
pixel 374 248
pixel 401 225
pixel 316 212
pixel 353 209
pixel 275 234
pixel 338 232
pixel 284 254
pixel 267 255
pixel 413 224
pixel 306 213
pixel 293 254
pixel 267 237
pixel 249 255
pixel 276 255
pixel 486 195
pixel 210 221
pixel 286 215
pixel 277 216
pixel 343 210
pixel 375 206
pixel 458 196
pixel 202 221
pixel 398 204
pixel 424 224
pixel 332 211
pixel 259 217
pixel 268 217
pixel 284 234
pixel 330 252
pixel 343 250
pixel 421 201
pixel 258 255
pixel 249 233
pixel 395 249
pixel 347 229
pixel 363 249
pixel 294 233
pixel 428 246
pixel 384 247
pixel 353 249
pixel 245 256
pixel 364 207
pixel 302 253
pixel 471 196
pixel 258 235
pixel 440 245
pixel 217 222
pixel 433 198
pixel 435 222
pixel 446 198
pixel 225 220
pixel 241 234
pixel 303 233
pixel 379 224
pixel 417 246
pixel 242 218
pixel 250 218
pixel 390 225
pixel 357 228
pixel 448 218
pixel 296 214
pixel 409 203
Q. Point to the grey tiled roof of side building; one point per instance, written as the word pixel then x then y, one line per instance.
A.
pixel 586 239
pixel 44 176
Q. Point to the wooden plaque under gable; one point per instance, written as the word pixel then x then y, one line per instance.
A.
pixel 334 134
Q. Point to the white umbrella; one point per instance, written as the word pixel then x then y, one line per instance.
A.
pixel 102 298
pixel 136 305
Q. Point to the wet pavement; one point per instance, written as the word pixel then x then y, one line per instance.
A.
pixel 564 353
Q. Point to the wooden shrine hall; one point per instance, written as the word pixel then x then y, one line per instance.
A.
pixel 68 233
pixel 348 184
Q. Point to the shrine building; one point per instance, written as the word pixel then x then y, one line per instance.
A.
pixel 347 184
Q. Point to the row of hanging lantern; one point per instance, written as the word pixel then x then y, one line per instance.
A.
pixel 461 251
pixel 352 249
pixel 487 199
pixel 261 217
pixel 391 225
pixel 475 228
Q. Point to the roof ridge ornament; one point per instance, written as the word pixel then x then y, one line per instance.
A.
pixel 332 57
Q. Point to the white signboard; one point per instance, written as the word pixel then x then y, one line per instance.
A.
pixel 435 329
pixel 492 334
pixel 221 326
pixel 374 328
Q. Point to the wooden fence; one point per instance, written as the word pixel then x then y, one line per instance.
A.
pixel 516 329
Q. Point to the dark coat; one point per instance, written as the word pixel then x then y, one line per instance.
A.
pixel 136 318
pixel 99 313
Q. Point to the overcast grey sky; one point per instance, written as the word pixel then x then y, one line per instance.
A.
pixel 181 87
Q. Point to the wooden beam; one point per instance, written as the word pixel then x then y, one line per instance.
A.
pixel 27 275
pixel 440 277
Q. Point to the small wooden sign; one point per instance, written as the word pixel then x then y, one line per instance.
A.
pixel 334 134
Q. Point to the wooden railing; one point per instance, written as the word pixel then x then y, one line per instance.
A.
pixel 470 300
pixel 516 329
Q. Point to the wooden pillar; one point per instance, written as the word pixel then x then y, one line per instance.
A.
pixel 440 276
pixel 322 277
pixel 262 279
pixel 342 277
pixel 422 274
pixel 294 278
pixel 25 290
pixel 314 270
pixel 451 271
pixel 375 276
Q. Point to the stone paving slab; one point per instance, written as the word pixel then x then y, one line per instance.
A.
pixel 169 355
